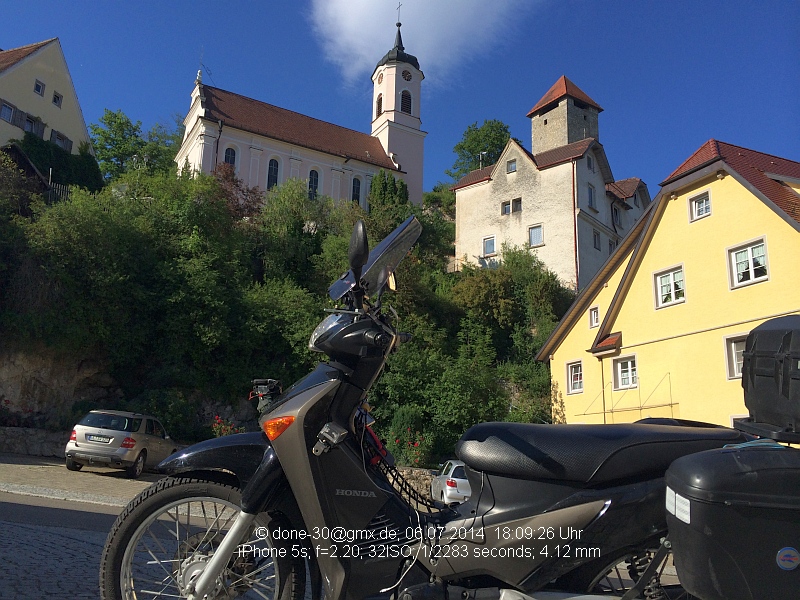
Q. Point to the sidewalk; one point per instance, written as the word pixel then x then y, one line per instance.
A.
pixel 48 478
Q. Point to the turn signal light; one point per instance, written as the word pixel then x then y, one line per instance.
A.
pixel 451 483
pixel 274 427
pixel 128 442
pixel 73 437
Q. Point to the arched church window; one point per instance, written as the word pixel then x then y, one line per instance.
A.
pixel 379 105
pixel 272 174
pixel 230 156
pixel 405 102
pixel 313 184
pixel 356 190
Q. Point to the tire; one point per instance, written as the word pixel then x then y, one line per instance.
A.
pixel 155 542
pixel 137 468
pixel 73 466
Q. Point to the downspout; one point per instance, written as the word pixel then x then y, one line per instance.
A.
pixel 216 150
pixel 575 220
pixel 603 389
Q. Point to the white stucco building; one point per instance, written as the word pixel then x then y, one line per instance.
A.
pixel 267 144
pixel 560 198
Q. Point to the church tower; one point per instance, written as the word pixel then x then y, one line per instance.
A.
pixel 396 118
pixel 564 115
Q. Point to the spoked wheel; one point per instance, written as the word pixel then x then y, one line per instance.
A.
pixel 165 537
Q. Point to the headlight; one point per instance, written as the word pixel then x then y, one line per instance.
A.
pixel 321 333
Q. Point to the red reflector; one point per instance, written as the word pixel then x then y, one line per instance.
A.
pixel 128 442
pixel 451 483
pixel 73 437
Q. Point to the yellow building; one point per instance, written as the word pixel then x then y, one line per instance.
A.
pixel 659 332
pixel 37 96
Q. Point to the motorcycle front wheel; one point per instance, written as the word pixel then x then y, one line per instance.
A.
pixel 167 534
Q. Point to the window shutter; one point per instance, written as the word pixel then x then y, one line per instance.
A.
pixel 18 120
pixel 53 135
pixel 68 145
pixel 38 129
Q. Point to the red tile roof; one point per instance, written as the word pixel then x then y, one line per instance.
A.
pixel 8 58
pixel 291 127
pixel 563 87
pixel 624 188
pixel 476 176
pixel 611 342
pixel 562 154
pixel 753 166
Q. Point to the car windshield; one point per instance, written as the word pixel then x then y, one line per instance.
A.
pixel 382 261
pixel 109 421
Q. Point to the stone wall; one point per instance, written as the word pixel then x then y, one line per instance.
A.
pixel 420 479
pixel 33 442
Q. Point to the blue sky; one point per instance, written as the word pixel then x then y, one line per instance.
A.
pixel 670 75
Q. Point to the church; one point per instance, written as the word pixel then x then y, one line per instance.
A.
pixel 266 144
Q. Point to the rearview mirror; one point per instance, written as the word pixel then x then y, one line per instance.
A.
pixel 358 252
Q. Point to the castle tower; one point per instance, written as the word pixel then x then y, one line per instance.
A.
pixel 396 113
pixel 565 114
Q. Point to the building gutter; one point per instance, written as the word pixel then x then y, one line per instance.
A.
pixel 575 220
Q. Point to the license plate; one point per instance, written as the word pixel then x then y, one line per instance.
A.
pixel 98 438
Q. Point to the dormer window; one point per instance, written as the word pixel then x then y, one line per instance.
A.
pixel 590 163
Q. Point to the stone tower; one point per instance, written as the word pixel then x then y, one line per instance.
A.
pixel 396 113
pixel 565 114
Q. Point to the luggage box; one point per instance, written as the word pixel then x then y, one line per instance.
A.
pixel 771 375
pixel 734 522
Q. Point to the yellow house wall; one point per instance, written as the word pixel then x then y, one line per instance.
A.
pixel 680 349
pixel 585 406
pixel 16 86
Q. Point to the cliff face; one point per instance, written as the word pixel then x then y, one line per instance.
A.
pixel 38 387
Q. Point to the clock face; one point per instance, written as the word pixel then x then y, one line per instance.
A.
pixel 407 75
pixel 380 78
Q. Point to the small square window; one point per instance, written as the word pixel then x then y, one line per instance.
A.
pixel 590 163
pixel 505 208
pixel 592 202
pixel 511 166
pixel 38 88
pixel 594 317
pixel 488 246
pixel 700 206
pixel 670 288
pixel 596 239
pixel 57 99
pixel 575 378
pixel 535 236
pixel 30 125
pixel 748 264
pixel 6 112
pixel 625 373
pixel 516 205
pixel 734 355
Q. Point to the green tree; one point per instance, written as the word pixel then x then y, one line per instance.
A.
pixel 479 145
pixel 388 205
pixel 116 141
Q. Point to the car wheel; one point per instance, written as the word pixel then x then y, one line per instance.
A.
pixel 136 469
pixel 73 466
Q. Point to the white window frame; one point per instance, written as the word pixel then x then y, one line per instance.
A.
pixel 596 241
pixel 511 166
pixel 615 215
pixel 594 317
pixel 58 99
pixel 505 208
pixel 38 88
pixel 592 197
pixel 632 372
pixel 575 367
pixel 732 262
pixel 10 108
pixel 590 163
pixel 732 365
pixel 485 254
pixel 670 273
pixel 540 227
pixel 704 196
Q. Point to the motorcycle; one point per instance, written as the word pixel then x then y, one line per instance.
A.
pixel 314 505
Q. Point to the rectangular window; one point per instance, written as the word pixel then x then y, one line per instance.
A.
pixel 505 208
pixel 38 88
pixel 516 205
pixel 488 246
pixel 592 203
pixel 748 264
pixel 535 236
pixel 57 99
pixel 590 163
pixel 6 112
pixel 596 239
pixel 615 215
pixel 625 373
pixel 611 246
pixel 575 378
pixel 511 166
pixel 669 287
pixel 734 355
pixel 594 317
pixel 700 206
pixel 636 199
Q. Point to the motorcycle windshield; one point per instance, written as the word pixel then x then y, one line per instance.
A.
pixel 382 261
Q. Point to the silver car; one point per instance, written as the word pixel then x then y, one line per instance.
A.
pixel 450 484
pixel 123 440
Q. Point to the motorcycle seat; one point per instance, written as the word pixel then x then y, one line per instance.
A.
pixel 590 454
